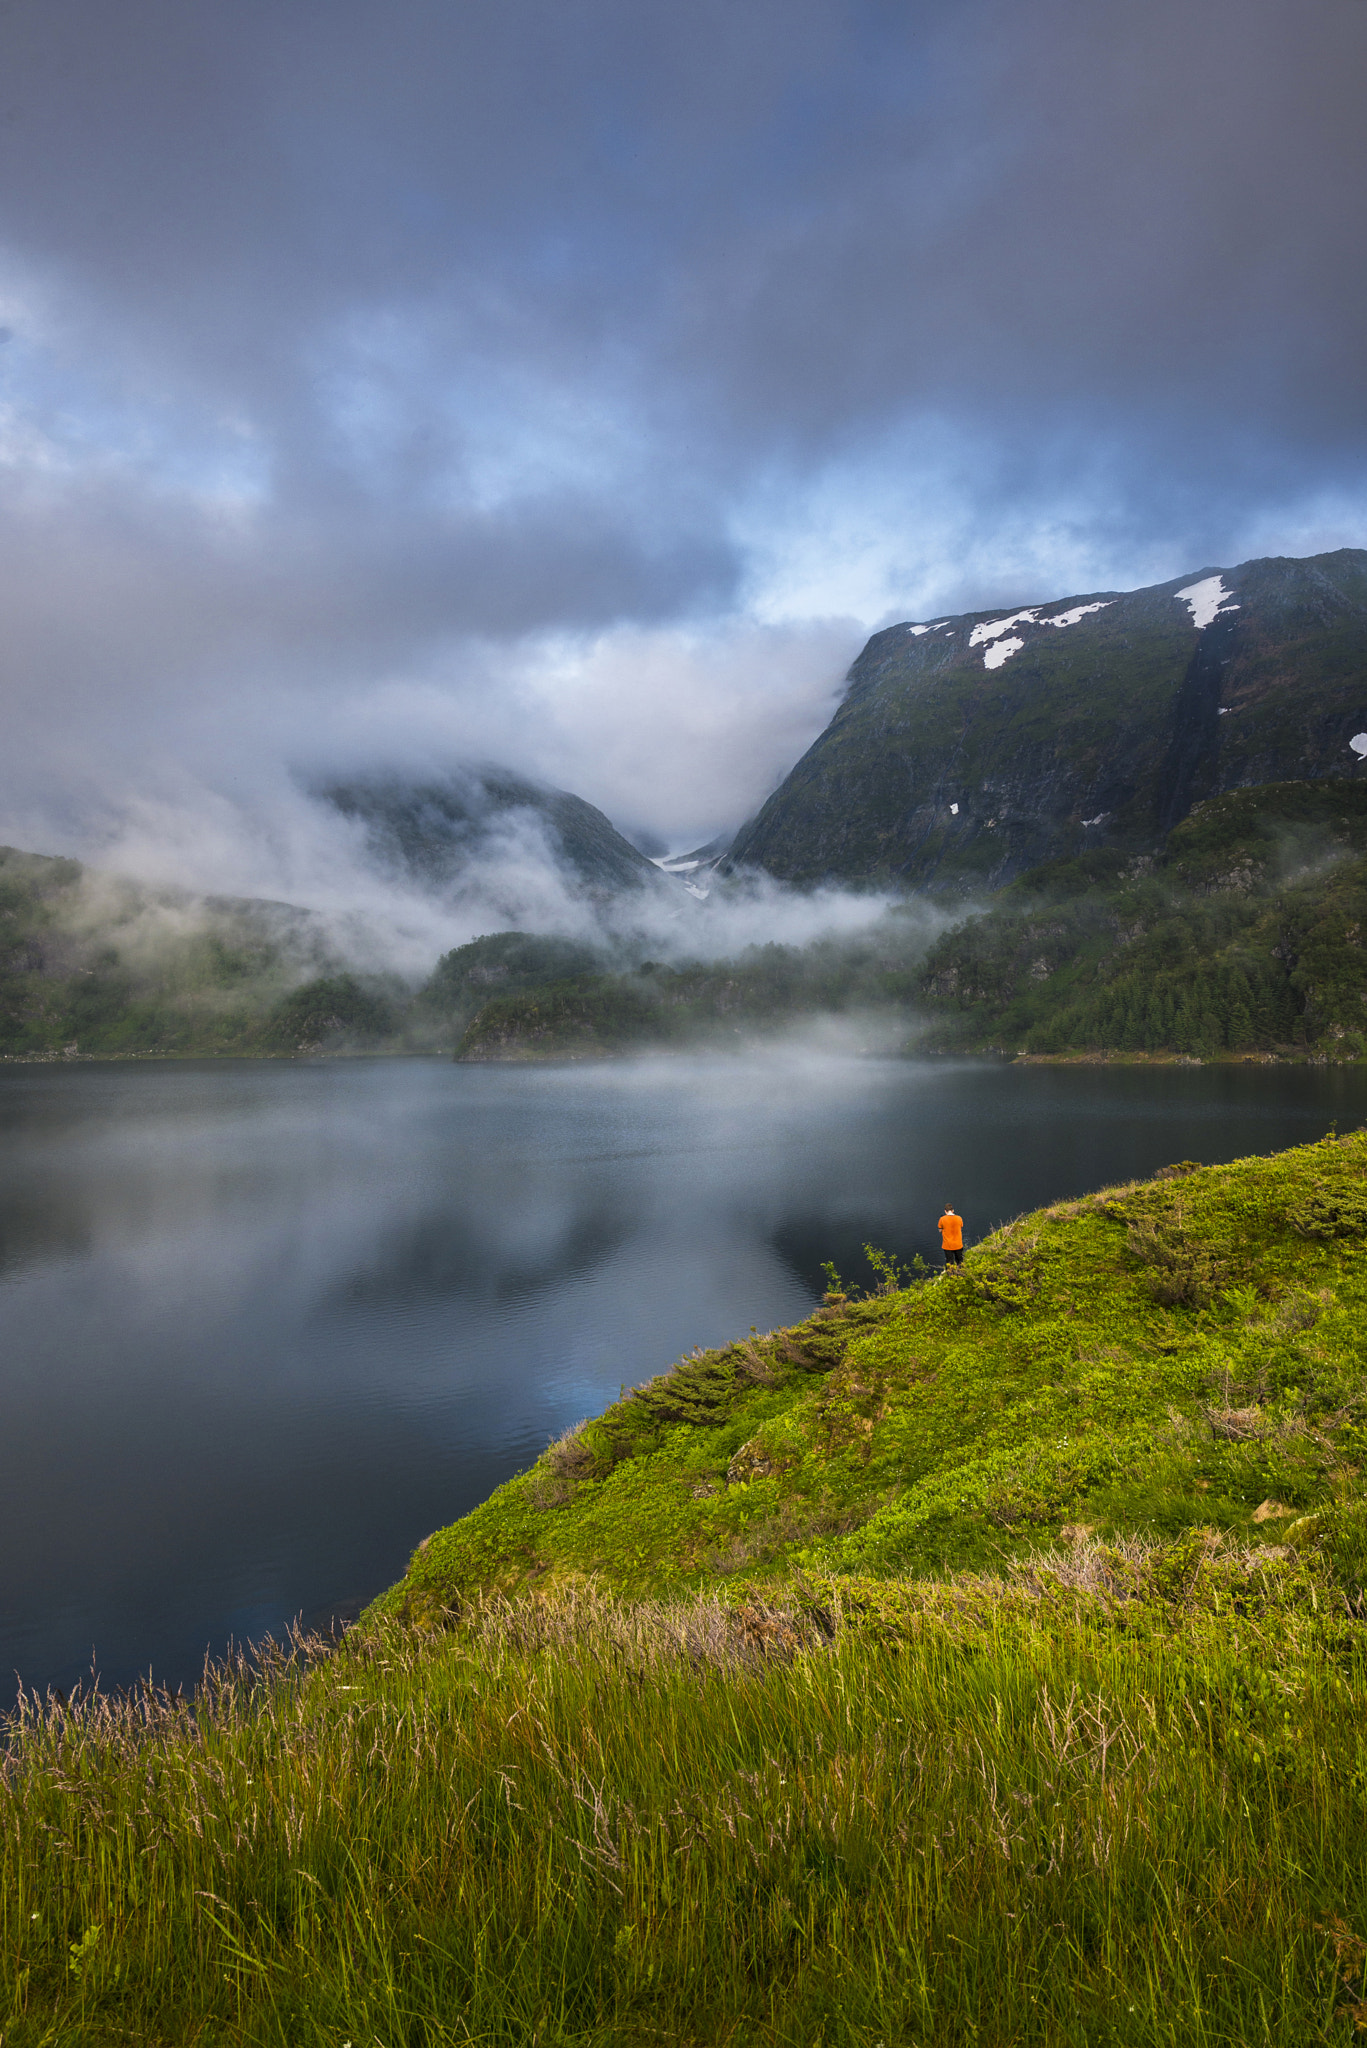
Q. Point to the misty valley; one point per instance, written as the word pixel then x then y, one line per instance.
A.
pixel 1129 823
pixel 387 1297
pixel 318 1219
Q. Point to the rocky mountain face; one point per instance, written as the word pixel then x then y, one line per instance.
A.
pixel 968 749
pixel 432 831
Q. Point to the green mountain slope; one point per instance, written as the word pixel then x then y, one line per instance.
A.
pixel 1177 1354
pixel 1110 716
pixel 498 968
pixel 93 963
pixel 1246 934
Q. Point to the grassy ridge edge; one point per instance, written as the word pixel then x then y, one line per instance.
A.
pixel 1172 1354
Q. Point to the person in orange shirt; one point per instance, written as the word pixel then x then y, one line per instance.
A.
pixel 952 1237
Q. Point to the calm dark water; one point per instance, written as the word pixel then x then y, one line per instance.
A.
pixel 264 1326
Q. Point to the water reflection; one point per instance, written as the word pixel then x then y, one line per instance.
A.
pixel 455 1251
pixel 261 1327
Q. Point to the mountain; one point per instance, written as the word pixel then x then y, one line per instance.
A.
pixel 434 831
pixel 970 748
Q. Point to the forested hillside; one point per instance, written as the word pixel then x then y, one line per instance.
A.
pixel 93 964
pixel 873 975
pixel 1245 934
pixel 1242 935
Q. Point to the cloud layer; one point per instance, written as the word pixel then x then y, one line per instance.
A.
pixel 577 384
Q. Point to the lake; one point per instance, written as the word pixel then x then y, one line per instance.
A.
pixel 264 1325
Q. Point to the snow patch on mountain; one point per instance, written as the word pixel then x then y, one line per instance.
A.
pixel 1207 600
pixel 994 628
pixel 990 631
pixel 1079 611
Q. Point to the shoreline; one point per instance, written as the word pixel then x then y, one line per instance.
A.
pixel 76 1059
pixel 598 1055
pixel 1182 1059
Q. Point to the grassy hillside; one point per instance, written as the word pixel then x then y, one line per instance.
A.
pixel 798 1781
pixel 1244 934
pixel 1153 1359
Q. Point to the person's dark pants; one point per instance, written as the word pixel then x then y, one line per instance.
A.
pixel 954 1258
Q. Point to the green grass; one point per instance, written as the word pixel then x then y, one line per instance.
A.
pixel 981 1662
pixel 1123 1802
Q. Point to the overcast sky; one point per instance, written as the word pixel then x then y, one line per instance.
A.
pixel 575 384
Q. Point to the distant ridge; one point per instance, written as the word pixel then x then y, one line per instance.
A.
pixel 969 748
pixel 432 829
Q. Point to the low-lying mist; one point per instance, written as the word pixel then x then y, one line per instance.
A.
pixel 387 912
pixel 431 864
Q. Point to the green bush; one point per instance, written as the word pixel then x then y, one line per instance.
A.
pixel 337 1011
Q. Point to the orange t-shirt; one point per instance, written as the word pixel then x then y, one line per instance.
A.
pixel 951 1232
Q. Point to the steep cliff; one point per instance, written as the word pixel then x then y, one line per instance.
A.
pixel 971 748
